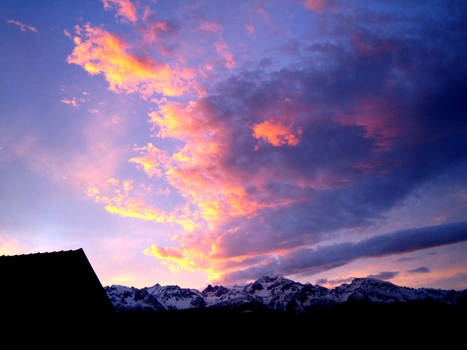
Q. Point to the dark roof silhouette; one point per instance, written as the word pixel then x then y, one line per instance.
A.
pixel 51 284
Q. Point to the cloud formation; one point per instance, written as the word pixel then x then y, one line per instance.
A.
pixel 384 275
pixel 125 9
pixel 327 257
pixel 23 27
pixel 421 269
pixel 271 160
pixel 99 52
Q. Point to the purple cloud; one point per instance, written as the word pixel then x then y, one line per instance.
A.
pixel 422 269
pixel 322 258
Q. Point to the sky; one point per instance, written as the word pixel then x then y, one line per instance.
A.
pixel 194 142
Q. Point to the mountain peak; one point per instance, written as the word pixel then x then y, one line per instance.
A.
pixel 275 293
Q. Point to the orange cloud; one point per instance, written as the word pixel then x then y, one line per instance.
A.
pixel 121 198
pixel 100 52
pixel 191 259
pixel 196 169
pixel 23 27
pixel 215 194
pixel 152 159
pixel 125 9
pixel 277 132
pixel 117 200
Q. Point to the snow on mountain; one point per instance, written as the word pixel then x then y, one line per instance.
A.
pixel 276 293
pixel 155 298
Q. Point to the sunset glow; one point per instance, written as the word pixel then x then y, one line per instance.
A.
pixel 195 142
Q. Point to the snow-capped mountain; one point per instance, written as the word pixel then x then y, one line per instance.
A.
pixel 276 293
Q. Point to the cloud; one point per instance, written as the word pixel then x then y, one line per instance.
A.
pixel 74 102
pixel 384 275
pixel 212 27
pixel 422 269
pixel 318 5
pixel 363 139
pixel 23 27
pixel 276 132
pixel 160 35
pixel 327 257
pixel 151 159
pixel 223 50
pixel 250 29
pixel 125 9
pixel 271 161
pixel 99 52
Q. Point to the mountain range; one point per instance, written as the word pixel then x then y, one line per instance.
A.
pixel 275 293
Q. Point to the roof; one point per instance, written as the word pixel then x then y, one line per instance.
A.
pixel 54 283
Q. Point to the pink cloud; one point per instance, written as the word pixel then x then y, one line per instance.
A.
pixel 72 102
pixel 223 50
pixel 23 27
pixel 250 29
pixel 125 9
pixel 212 27
pixel 318 5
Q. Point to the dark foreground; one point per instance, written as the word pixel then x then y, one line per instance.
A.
pixel 415 323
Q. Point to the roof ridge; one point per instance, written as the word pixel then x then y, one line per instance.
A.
pixel 45 253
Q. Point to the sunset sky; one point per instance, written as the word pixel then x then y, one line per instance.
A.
pixel 191 142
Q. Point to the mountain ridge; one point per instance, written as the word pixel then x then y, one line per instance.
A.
pixel 275 293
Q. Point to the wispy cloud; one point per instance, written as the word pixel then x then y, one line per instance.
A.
pixel 23 27
pixel 125 9
pixel 327 257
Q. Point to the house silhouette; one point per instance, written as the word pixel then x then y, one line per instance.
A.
pixel 59 285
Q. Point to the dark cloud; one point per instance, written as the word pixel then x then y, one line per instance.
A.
pixel 422 269
pixel 379 110
pixel 384 275
pixel 383 114
pixel 327 257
